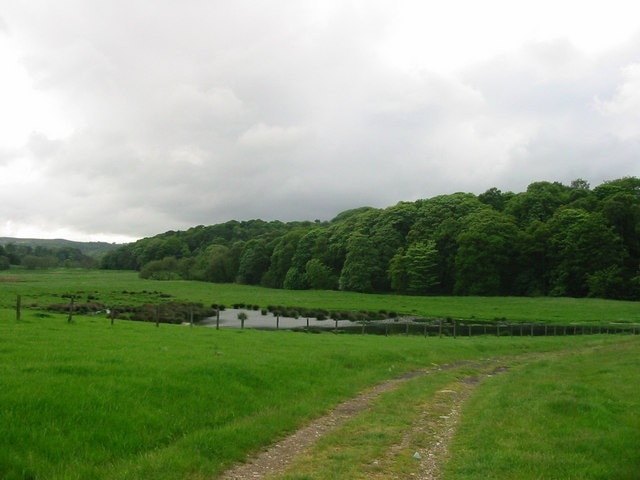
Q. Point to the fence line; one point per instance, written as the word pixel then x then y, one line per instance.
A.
pixel 427 327
pixel 502 329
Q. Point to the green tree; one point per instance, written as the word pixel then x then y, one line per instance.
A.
pixel 32 262
pixel 485 254
pixel 165 269
pixel 621 209
pixel 539 202
pixel 357 270
pixel 441 219
pixel 495 198
pixel 581 244
pixel 296 277
pixel 388 230
pixel 4 259
pixel 607 283
pixel 421 262
pixel 533 261
pixel 318 276
pixel 242 316
pixel 398 272
pixel 254 262
pixel 215 264
pixel 281 259
pixel 122 258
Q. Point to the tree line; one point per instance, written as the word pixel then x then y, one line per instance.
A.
pixel 550 240
pixel 42 257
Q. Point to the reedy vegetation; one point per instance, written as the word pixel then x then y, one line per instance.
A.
pixel 551 240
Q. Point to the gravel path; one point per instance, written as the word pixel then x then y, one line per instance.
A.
pixel 437 423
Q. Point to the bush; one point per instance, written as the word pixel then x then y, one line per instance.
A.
pixel 165 269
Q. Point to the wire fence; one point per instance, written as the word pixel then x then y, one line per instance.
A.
pixel 196 314
pixel 455 328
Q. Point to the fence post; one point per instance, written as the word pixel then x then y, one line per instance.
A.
pixel 70 310
pixel 18 302
pixel 157 315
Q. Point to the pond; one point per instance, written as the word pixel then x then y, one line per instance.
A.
pixel 256 320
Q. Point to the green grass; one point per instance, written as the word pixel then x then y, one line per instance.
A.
pixel 124 401
pixel 569 416
pixel 111 287
pixel 91 400
pixel 358 449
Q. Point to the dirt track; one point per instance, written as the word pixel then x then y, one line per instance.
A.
pixel 438 422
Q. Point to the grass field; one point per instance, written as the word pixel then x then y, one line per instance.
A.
pixel 558 417
pixel 110 287
pixel 95 400
pixel 566 414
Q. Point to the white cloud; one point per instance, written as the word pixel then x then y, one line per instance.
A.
pixel 270 137
pixel 623 109
pixel 127 120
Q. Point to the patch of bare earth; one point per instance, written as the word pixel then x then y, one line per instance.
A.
pixel 432 432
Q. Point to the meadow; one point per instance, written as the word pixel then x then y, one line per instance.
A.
pixel 41 288
pixel 89 399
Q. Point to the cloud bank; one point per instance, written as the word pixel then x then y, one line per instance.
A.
pixel 127 119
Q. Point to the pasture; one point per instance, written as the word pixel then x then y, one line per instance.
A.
pixel 124 287
pixel 89 399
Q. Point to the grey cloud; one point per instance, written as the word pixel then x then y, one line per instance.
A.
pixel 198 115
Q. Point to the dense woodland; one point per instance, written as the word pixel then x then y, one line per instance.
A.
pixel 41 257
pixel 553 239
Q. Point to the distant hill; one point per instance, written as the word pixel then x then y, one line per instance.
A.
pixel 92 249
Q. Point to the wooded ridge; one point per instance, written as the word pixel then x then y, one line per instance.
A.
pixel 553 239
pixel 41 253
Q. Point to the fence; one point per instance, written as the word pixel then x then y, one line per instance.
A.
pixel 455 328
pixel 175 312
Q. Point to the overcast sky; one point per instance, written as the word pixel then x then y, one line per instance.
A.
pixel 121 119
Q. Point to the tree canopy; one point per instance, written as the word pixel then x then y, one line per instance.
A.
pixel 552 239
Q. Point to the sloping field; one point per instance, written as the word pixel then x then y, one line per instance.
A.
pixel 130 400
pixel 89 399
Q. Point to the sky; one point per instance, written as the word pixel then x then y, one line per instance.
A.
pixel 122 119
